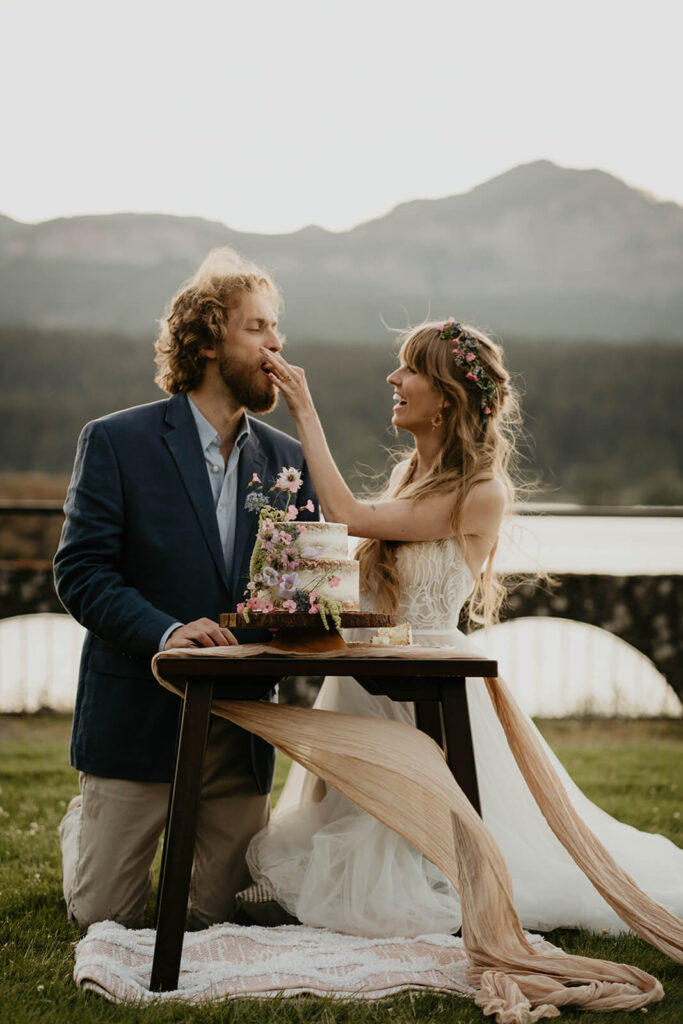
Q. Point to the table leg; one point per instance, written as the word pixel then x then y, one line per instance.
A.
pixel 459 749
pixel 428 719
pixel 181 829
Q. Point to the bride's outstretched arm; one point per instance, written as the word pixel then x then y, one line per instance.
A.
pixel 393 519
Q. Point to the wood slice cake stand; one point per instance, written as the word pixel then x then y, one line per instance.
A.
pixel 301 632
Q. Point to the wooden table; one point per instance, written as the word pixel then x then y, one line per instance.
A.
pixel 436 686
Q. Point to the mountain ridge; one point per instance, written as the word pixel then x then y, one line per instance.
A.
pixel 539 250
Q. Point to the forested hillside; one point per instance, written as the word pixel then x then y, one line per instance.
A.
pixel 603 422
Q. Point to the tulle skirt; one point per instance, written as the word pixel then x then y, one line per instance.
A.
pixel 333 865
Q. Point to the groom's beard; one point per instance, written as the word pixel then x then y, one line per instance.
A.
pixel 249 386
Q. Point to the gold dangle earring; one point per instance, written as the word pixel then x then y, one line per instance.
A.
pixel 437 420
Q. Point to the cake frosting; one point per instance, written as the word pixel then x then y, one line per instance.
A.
pixel 323 564
pixel 302 567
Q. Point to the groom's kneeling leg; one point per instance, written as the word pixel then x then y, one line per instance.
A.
pixel 232 810
pixel 108 846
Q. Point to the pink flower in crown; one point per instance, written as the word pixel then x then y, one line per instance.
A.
pixel 335 581
pixel 290 558
pixel 470 357
pixel 487 411
pixel 471 376
pixel 289 480
pixel 291 513
pixel 289 606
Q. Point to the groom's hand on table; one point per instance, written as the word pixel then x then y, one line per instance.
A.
pixel 201 633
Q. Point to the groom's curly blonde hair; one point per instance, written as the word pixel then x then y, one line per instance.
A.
pixel 196 316
pixel 472 452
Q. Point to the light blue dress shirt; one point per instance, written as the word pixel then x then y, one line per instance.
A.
pixel 223 480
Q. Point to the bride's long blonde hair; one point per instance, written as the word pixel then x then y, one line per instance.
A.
pixel 471 452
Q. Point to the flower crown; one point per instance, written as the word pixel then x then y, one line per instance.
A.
pixel 466 353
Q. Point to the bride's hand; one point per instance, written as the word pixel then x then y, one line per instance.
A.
pixel 290 380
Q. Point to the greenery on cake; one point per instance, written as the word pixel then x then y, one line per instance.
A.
pixel 274 584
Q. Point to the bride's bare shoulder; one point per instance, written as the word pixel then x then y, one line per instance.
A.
pixel 486 500
pixel 398 472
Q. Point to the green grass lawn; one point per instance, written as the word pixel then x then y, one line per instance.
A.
pixel 632 769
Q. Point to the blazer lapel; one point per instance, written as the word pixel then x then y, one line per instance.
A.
pixel 183 442
pixel 252 460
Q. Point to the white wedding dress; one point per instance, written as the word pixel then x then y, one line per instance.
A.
pixel 333 865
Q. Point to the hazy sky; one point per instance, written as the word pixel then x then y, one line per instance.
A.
pixel 275 114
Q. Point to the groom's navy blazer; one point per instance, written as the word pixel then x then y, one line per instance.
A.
pixel 140 550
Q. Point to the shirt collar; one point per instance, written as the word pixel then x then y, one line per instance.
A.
pixel 207 433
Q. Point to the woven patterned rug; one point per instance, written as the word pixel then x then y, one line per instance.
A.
pixel 231 961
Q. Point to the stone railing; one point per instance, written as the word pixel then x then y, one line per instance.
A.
pixel 644 610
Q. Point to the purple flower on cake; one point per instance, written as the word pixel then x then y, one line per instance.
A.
pixel 288 583
pixel 289 480
pixel 311 551
pixel 270 577
pixel 255 502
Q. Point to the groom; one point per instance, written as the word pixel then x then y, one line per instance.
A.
pixel 155 545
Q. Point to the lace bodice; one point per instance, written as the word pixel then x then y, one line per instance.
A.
pixel 435 582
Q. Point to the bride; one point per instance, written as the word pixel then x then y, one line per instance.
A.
pixel 427 551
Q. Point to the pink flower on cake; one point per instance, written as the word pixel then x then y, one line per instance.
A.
pixel 289 606
pixel 335 581
pixel 291 513
pixel 309 506
pixel 255 479
pixel 289 480
pixel 254 604
pixel 267 529
pixel 285 538
pixel 240 608
pixel 268 605
pixel 313 594
pixel 302 529
pixel 290 558
pixel 314 609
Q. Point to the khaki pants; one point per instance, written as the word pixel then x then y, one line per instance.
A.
pixel 110 836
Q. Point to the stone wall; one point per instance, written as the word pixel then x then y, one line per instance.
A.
pixel 645 611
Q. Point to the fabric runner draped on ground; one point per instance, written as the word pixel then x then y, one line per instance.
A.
pixel 399 775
